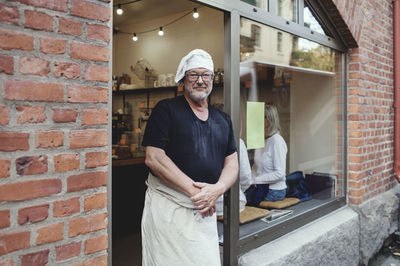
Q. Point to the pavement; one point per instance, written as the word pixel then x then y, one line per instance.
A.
pixel 389 255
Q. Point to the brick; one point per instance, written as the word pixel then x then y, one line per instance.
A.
pixel 10 39
pixel 96 244
pixel 33 91
pixel 6 64
pixel 34 66
pixel 86 181
pixel 6 262
pixel 50 233
pixel 63 208
pixel 4 219
pixel 98 261
pixel 29 189
pixel 88 224
pixel 98 32
pixel 66 69
pixel 31 165
pixel 68 251
pixel 39 258
pixel 87 138
pixel 90 10
pixel 95 116
pixel 14 141
pixel 63 115
pixel 86 94
pixel 97 201
pixel 3 115
pixel 96 73
pixel 96 159
pixel 66 162
pixel 38 20
pixel 69 26
pixel 58 5
pixel 14 241
pixel 90 52
pixel 4 168
pixel 9 14
pixel 49 139
pixel 33 214
pixel 53 46
pixel 31 114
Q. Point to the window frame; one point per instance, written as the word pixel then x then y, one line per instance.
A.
pixel 234 10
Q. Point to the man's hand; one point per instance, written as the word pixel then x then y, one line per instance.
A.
pixel 205 200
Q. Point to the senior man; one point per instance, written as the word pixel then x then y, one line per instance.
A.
pixel 191 153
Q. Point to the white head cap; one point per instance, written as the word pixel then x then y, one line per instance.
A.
pixel 197 58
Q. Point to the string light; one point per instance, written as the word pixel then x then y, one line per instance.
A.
pixel 195 13
pixel 160 29
pixel 160 32
pixel 119 10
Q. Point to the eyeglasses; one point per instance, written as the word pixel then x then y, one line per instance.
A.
pixel 195 76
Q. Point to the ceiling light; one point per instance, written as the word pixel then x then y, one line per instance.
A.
pixel 119 10
pixel 195 13
pixel 160 32
pixel 134 38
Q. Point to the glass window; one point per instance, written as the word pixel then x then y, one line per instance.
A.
pixel 287 9
pixel 279 42
pixel 263 4
pixel 312 21
pixel 302 136
pixel 255 34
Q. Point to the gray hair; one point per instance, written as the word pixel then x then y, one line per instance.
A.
pixel 271 114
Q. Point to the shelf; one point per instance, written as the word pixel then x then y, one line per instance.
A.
pixel 124 162
pixel 155 89
pixel 144 90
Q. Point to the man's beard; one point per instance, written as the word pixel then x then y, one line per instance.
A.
pixel 196 96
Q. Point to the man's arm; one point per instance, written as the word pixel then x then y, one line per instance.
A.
pixel 206 199
pixel 165 169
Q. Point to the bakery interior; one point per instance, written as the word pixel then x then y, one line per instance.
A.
pixel 143 71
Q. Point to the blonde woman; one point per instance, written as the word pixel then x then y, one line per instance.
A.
pixel 269 169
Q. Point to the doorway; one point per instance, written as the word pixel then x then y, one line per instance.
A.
pixel 149 40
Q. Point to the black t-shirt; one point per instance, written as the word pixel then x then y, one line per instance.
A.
pixel 197 147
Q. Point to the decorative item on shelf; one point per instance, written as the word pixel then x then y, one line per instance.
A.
pixel 162 80
pixel 114 83
pixel 218 76
pixel 143 74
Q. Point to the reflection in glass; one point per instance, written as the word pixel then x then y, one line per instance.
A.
pixel 287 9
pixel 313 22
pixel 263 4
pixel 279 47
pixel 303 80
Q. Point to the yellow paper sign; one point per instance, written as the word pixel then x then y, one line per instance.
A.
pixel 255 125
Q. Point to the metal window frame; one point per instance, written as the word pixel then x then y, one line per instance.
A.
pixel 233 11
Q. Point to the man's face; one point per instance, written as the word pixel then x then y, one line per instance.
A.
pixel 198 87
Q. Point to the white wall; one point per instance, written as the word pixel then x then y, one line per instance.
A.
pixel 164 53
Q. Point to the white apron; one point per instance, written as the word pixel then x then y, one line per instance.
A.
pixel 173 232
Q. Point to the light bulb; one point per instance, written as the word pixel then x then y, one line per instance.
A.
pixel 160 32
pixel 134 38
pixel 195 13
pixel 119 10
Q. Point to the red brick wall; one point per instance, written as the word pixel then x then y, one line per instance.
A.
pixel 370 98
pixel 54 73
